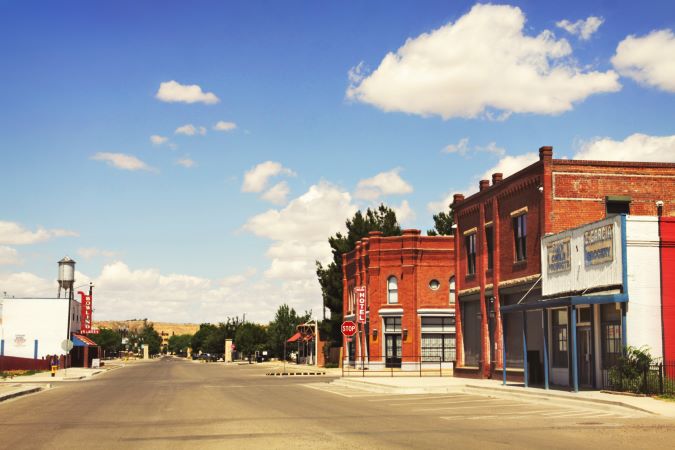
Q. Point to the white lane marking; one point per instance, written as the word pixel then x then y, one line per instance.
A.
pixel 417 398
pixel 467 407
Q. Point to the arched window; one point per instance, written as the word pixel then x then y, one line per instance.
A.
pixel 392 290
pixel 452 294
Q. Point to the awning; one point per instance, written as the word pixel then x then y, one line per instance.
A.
pixel 83 341
pixel 294 338
pixel 566 301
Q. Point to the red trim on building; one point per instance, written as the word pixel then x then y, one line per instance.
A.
pixel 667 232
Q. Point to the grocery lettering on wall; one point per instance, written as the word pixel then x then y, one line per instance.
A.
pixel 360 292
pixel 559 257
pixel 599 245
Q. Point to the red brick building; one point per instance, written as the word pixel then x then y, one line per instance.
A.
pixel 498 235
pixel 409 281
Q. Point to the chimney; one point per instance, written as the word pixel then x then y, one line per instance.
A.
pixel 457 199
pixel 497 178
pixel 545 152
pixel 483 184
pixel 411 232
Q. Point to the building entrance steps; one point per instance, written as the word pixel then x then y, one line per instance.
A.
pixel 590 399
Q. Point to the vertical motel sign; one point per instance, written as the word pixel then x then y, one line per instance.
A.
pixel 360 292
pixel 85 316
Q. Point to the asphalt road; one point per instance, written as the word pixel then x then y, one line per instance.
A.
pixel 174 403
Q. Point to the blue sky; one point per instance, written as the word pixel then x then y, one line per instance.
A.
pixel 339 105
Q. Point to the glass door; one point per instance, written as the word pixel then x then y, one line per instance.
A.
pixel 585 356
pixel 392 346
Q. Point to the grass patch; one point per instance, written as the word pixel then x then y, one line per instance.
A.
pixel 17 373
pixel 666 397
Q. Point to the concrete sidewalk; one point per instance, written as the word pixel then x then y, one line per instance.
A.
pixel 10 391
pixel 438 385
pixel 70 374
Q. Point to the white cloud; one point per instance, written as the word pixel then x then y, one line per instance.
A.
pixel 8 256
pixel 649 59
pixel 508 165
pixel 384 183
pixel 582 28
pixel 277 194
pixel 172 91
pixel 91 252
pixel 190 130
pixel 225 126
pixel 636 147
pixel 186 162
pixel 122 161
pixel 158 140
pixel 404 213
pixel 462 148
pixel 255 180
pixel 481 63
pixel 12 233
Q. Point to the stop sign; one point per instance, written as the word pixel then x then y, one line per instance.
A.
pixel 348 328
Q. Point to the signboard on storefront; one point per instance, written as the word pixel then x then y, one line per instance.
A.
pixel 598 243
pixel 558 256
pixel 360 293
pixel 583 258
pixel 86 305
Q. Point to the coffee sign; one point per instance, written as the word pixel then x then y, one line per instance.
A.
pixel 598 245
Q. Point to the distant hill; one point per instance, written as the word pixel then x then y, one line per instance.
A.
pixel 170 328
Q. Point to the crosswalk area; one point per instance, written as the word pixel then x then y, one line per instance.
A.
pixel 462 406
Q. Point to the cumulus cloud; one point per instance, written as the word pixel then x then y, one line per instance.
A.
pixel 172 91
pixel 649 59
pixel 636 147
pixel 190 130
pixel 582 28
pixel 277 194
pixel 507 165
pixel 158 140
pixel 186 162
pixel 300 234
pixel 384 183
pixel 12 233
pixel 480 64
pixel 404 213
pixel 225 126
pixel 8 256
pixel 462 148
pixel 122 161
pixel 255 179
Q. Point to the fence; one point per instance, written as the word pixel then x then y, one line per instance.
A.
pixel 16 363
pixel 656 378
pixel 403 366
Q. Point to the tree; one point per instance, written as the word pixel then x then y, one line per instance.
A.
pixel 282 327
pixel 211 338
pixel 109 340
pixel 200 337
pixel 330 277
pixel 151 337
pixel 179 343
pixel 443 223
pixel 250 337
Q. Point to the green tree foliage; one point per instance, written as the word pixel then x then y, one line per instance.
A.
pixel 381 219
pixel 211 338
pixel 109 340
pixel 179 343
pixel 148 335
pixel 250 337
pixel 283 327
pixel 443 222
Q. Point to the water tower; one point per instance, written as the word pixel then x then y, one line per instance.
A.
pixel 66 277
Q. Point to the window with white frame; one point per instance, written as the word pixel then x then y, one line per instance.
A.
pixel 452 296
pixel 470 243
pixel 520 237
pixel 438 339
pixel 392 290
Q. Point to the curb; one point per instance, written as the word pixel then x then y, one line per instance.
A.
pixel 20 392
pixel 280 374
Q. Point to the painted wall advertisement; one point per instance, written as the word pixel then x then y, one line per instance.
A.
pixel 360 292
pixel 598 245
pixel 559 257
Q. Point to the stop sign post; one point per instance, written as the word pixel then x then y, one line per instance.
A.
pixel 348 328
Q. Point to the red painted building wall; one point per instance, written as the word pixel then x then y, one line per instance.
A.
pixel 667 232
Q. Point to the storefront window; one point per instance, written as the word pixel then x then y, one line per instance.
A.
pixel 560 340
pixel 438 339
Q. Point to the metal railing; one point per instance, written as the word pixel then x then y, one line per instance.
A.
pixel 403 366
pixel 654 379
